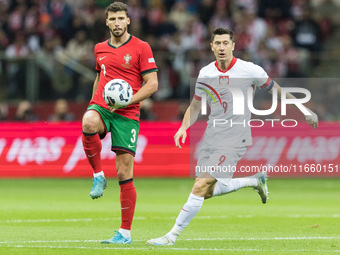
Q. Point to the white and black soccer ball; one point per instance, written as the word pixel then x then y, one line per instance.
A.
pixel 117 93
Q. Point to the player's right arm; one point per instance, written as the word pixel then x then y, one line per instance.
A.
pixel 95 85
pixel 189 119
pixel 311 119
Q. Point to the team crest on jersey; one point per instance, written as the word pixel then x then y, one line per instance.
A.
pixel 127 59
pixel 224 80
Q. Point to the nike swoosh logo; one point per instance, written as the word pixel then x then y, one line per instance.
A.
pixel 102 58
pixel 131 146
pixel 222 94
pixel 123 208
pixel 90 156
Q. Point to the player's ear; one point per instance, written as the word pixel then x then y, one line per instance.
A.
pixel 128 21
pixel 211 46
pixel 106 22
pixel 233 46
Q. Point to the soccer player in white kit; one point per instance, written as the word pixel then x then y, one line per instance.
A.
pixel 225 144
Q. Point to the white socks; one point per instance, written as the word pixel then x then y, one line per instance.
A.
pixel 194 203
pixel 101 173
pixel 188 212
pixel 125 232
pixel 233 185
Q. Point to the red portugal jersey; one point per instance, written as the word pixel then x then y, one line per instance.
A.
pixel 129 62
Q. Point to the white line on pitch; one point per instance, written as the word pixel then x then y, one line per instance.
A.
pixel 191 239
pixel 162 218
pixel 170 248
pixel 65 220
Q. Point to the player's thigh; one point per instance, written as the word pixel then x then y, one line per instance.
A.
pixel 124 165
pixel 203 184
pixel 224 162
pixel 92 122
pixel 124 134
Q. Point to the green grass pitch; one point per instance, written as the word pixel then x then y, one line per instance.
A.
pixel 45 216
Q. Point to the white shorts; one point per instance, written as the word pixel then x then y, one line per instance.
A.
pixel 219 163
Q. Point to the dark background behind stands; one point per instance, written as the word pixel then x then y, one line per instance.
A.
pixel 46 48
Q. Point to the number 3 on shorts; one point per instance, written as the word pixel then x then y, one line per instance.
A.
pixel 133 138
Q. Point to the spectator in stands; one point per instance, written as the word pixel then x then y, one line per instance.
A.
pixel 328 10
pixel 45 59
pixel 179 46
pixel 274 65
pixel 25 112
pixel 4 41
pixel 307 32
pixel 61 112
pixel 220 18
pixel 61 14
pixel 87 12
pixel 274 10
pixel 154 14
pixel 31 28
pixel 16 19
pixel 79 47
pixel 3 111
pixel 256 29
pixel 179 15
pixel 62 84
pixel 78 24
pixel 277 13
pixel 297 60
pixel 16 69
pixel 39 21
pixel 206 10
pixel 165 27
pixel 78 50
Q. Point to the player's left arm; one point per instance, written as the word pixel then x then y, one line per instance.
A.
pixel 312 119
pixel 150 87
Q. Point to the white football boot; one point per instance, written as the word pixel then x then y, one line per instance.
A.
pixel 261 187
pixel 164 240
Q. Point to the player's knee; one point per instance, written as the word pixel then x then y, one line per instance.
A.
pixel 90 123
pixel 123 172
pixel 121 175
pixel 208 194
pixel 201 187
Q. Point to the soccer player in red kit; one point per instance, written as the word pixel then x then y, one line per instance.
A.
pixel 126 57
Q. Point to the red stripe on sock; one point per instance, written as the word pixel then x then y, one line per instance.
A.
pixel 128 198
pixel 92 147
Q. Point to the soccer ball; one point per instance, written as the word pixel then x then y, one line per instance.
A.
pixel 117 93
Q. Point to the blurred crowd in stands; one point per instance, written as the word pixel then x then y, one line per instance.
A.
pixel 285 37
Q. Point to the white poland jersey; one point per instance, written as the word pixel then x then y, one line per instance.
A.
pixel 230 130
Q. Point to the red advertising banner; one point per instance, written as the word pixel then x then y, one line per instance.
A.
pixel 55 150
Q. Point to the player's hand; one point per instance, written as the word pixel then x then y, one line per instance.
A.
pixel 180 133
pixel 313 119
pixel 113 109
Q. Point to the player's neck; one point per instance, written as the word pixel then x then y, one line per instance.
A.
pixel 118 41
pixel 224 65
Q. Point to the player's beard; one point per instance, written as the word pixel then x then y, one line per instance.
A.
pixel 118 33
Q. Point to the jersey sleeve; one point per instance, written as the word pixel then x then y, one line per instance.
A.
pixel 95 56
pixel 261 78
pixel 198 91
pixel 147 61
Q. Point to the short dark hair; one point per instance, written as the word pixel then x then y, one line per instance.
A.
pixel 117 7
pixel 222 31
